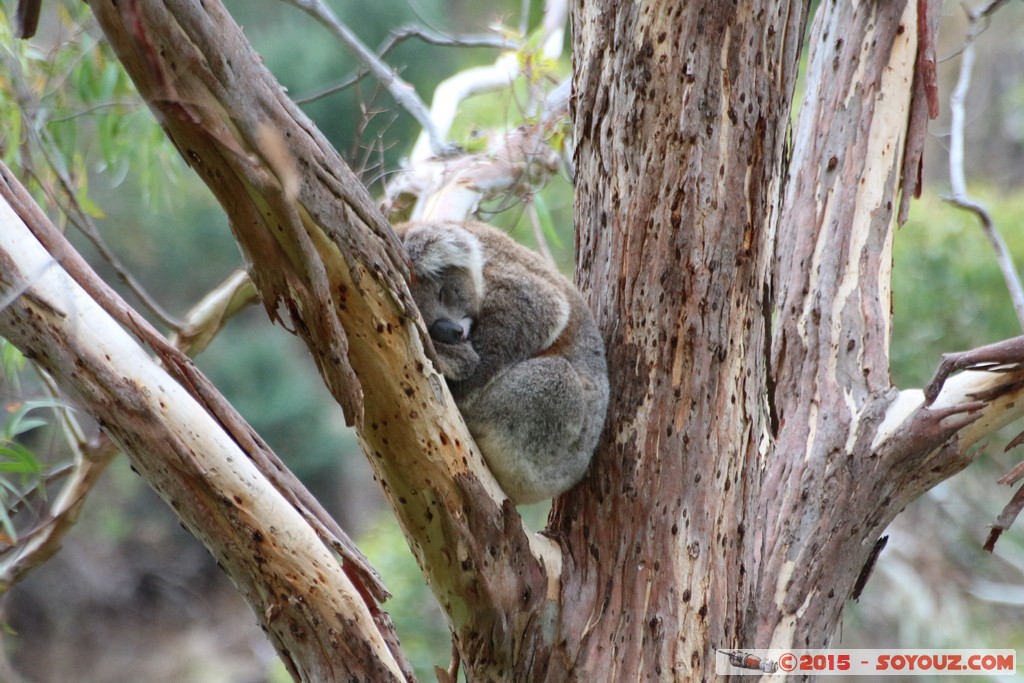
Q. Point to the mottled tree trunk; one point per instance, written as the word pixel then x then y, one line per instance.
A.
pixel 682 112
pixel 756 447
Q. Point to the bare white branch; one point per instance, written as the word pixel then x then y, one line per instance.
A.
pixel 451 92
pixel 404 94
pixel 957 179
pixel 516 160
pixel 207 318
pixel 452 189
pixel 186 454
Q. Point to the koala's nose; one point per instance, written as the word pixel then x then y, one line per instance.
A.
pixel 447 331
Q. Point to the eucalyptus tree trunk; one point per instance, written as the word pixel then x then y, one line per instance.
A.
pixel 739 271
pixel 682 113
pixel 756 447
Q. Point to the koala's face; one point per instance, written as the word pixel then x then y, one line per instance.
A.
pixel 447 287
pixel 448 303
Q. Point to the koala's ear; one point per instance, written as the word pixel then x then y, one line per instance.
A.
pixel 434 248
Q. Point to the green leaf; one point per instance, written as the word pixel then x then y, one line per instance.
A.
pixel 11 360
pixel 22 460
pixel 16 422
pixel 30 423
pixel 108 81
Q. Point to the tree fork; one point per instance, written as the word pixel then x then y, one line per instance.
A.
pixel 323 255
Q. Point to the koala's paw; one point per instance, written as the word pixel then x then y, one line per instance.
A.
pixel 456 362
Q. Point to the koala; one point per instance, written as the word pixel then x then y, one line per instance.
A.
pixel 519 350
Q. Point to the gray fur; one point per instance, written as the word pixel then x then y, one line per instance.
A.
pixel 530 379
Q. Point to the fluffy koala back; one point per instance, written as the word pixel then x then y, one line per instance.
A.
pixel 529 308
pixel 538 398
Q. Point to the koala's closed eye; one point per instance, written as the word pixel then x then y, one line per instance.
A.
pixel 531 380
pixel 458 290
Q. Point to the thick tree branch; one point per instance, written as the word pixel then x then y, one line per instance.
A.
pixel 181 367
pixel 831 348
pixel 90 456
pixel 304 598
pixel 680 132
pixel 834 239
pixel 324 258
pixel 847 440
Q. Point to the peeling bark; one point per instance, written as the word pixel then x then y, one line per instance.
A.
pixel 681 119
pixel 850 451
pixel 315 611
pixel 324 258
pixel 756 447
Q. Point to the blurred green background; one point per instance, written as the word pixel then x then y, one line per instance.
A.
pixel 133 597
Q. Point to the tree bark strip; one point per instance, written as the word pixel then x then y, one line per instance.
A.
pixel 756 447
pixel 317 618
pixel 324 258
pixel 681 117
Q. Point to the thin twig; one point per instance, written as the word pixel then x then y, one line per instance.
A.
pixel 90 459
pixel 130 106
pixel 957 179
pixel 400 35
pixel 538 232
pixel 364 152
pixel 403 93
pixel 329 90
pixel 445 40
pixel 81 220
